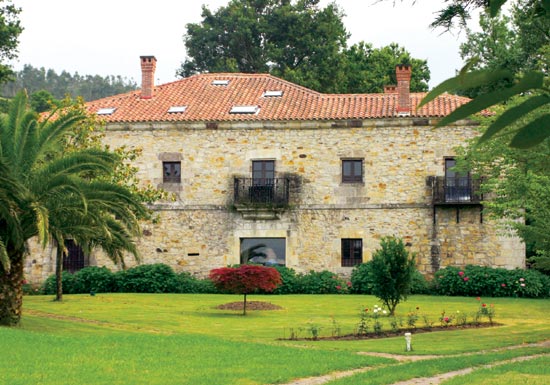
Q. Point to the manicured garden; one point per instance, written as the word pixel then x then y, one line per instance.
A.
pixel 184 339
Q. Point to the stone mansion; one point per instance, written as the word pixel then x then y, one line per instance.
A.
pixel 267 171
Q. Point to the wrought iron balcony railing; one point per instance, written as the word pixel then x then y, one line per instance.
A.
pixel 460 190
pixel 261 192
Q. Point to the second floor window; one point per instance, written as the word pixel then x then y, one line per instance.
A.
pixel 352 170
pixel 171 172
pixel 263 172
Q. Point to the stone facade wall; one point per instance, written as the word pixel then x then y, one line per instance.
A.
pixel 201 229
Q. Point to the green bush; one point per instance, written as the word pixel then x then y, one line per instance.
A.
pixel 155 278
pixel 67 281
pixel 361 278
pixel 419 284
pixel 291 281
pixel 321 282
pixel 187 283
pixel 486 281
pixel 95 279
pixel 392 272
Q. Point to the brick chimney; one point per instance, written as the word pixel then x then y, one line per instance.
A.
pixel 148 66
pixel 403 75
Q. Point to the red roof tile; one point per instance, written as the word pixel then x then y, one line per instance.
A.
pixel 208 102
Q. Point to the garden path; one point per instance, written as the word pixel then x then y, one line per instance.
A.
pixel 320 380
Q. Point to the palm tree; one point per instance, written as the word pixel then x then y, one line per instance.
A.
pixel 49 193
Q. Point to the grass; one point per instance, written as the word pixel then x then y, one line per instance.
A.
pixel 183 339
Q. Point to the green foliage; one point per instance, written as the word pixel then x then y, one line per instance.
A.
pixel 95 279
pixel 362 279
pixel 67 280
pixel 321 282
pixel 392 272
pixel 187 283
pixel 516 180
pixel 296 40
pixel 540 262
pixel 291 282
pixel 154 278
pixel 491 282
pixel 88 87
pixel 527 75
pixel 10 29
pixel 368 70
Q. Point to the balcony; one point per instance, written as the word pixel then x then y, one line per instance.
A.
pixel 266 192
pixel 457 191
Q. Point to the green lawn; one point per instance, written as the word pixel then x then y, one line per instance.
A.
pixel 183 339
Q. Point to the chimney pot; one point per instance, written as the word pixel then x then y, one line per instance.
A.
pixel 403 75
pixel 148 66
pixel 390 89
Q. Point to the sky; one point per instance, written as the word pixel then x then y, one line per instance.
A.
pixel 107 37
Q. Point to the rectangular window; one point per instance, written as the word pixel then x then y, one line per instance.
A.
pixel 352 170
pixel 171 172
pixel 352 251
pixel 457 185
pixel 263 251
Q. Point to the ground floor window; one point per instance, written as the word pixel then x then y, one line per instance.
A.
pixel 352 251
pixel 75 259
pixel 264 251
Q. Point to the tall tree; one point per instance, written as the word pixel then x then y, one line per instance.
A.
pixel 10 29
pixel 296 40
pixel 43 185
pixel 510 84
pixel 369 69
pixel 516 180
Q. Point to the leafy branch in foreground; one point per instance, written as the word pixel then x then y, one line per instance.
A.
pixel 531 84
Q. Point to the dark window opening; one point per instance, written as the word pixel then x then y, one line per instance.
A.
pixel 352 252
pixel 74 259
pixel 171 172
pixel 263 251
pixel 352 170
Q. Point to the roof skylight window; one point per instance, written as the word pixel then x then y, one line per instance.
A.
pixel 244 110
pixel 177 109
pixel 106 111
pixel 272 93
pixel 220 82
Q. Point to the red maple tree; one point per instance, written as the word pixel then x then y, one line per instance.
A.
pixel 245 279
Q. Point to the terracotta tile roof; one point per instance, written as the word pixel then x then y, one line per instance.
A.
pixel 206 101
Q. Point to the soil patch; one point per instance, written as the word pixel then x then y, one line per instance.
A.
pixel 400 332
pixel 250 305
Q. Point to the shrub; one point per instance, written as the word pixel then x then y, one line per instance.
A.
pixel 392 272
pixel 95 279
pixel 321 282
pixel 67 280
pixel 419 284
pixel 361 278
pixel 245 279
pixel 155 278
pixel 490 282
pixel 291 282
pixel 187 283
pixel 541 262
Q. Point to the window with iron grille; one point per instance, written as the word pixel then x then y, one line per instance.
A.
pixel 352 170
pixel 352 251
pixel 75 259
pixel 171 172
